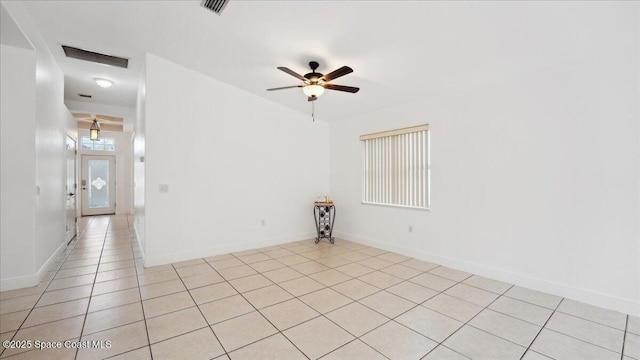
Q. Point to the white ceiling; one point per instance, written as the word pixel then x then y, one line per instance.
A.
pixel 400 51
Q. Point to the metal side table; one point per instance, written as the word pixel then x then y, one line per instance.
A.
pixel 325 215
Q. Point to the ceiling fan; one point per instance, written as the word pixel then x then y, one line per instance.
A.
pixel 315 83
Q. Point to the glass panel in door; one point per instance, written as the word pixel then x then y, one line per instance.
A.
pixel 99 183
pixel 71 224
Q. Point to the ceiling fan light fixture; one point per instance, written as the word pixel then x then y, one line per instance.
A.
pixel 94 131
pixel 314 83
pixel 104 83
pixel 313 90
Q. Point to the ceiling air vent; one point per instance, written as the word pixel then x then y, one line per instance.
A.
pixel 95 57
pixel 215 5
pixel 85 96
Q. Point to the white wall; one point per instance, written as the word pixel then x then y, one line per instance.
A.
pixel 230 159
pixel 124 168
pixel 52 121
pixel 17 161
pixel 534 179
pixel 138 162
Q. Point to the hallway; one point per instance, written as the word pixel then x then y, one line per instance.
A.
pixel 293 301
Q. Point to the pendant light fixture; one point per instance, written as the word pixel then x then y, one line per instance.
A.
pixel 94 131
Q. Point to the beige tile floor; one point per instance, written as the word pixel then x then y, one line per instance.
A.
pixel 294 301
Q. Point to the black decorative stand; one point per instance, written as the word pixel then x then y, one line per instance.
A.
pixel 325 215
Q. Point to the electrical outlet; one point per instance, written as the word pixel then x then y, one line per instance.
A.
pixel 263 222
pixel 410 228
pixel 164 188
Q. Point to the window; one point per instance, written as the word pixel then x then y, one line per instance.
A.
pixel 397 167
pixel 104 144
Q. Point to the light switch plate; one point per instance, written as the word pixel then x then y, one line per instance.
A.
pixel 164 188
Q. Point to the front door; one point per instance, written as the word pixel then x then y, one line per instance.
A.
pixel 72 189
pixel 98 185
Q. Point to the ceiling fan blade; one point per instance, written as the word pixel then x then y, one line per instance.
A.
pixel 292 73
pixel 79 115
pixel 109 118
pixel 285 87
pixel 312 98
pixel 337 73
pixel 350 89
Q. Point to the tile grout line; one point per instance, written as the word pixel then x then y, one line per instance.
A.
pixel 357 338
pixel 587 320
pixel 542 328
pixel 513 317
pixel 624 337
pixel 581 340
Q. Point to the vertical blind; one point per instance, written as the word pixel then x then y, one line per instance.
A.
pixel 396 167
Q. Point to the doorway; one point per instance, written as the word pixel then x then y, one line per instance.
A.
pixel 98 185
pixel 72 189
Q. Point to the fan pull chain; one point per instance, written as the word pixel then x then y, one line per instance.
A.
pixel 313 111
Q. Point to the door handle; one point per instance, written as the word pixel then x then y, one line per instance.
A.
pixel 70 194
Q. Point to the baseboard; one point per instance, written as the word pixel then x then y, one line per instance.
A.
pixel 45 267
pixel 19 282
pixel 627 306
pixel 135 228
pixel 218 250
pixel 25 281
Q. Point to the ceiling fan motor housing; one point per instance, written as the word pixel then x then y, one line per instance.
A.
pixel 313 76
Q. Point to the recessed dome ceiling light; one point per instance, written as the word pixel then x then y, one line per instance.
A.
pixel 104 83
